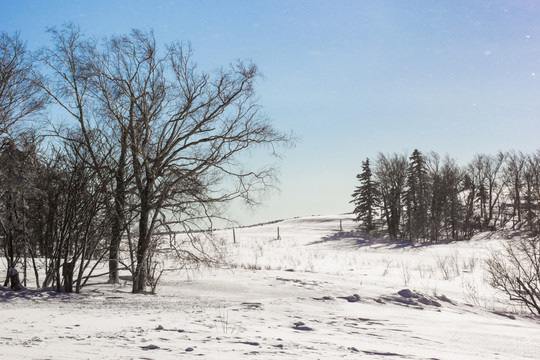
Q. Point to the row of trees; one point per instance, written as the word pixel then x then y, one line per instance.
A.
pixel 148 144
pixel 429 198
pixel 432 198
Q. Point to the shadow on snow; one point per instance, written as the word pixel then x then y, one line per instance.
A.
pixel 357 240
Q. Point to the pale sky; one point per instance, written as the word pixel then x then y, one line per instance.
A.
pixel 350 78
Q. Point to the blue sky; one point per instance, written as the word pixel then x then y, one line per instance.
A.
pixel 350 78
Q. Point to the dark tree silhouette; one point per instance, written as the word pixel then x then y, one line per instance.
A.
pixel 391 175
pixel 365 198
pixel 416 197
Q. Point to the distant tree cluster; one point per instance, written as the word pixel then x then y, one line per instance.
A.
pixel 431 198
pixel 139 144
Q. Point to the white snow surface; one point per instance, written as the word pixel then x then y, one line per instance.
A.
pixel 286 299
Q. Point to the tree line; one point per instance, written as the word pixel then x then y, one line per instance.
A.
pixel 428 197
pixel 109 147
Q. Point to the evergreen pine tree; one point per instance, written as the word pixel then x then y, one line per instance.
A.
pixel 365 198
pixel 416 197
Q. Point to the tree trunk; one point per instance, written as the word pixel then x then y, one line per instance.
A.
pixel 114 247
pixel 394 223
pixel 139 278
pixel 117 227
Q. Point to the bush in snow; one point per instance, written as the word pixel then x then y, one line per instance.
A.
pixel 516 271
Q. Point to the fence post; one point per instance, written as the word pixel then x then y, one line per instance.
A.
pixel 278 236
pixel 234 236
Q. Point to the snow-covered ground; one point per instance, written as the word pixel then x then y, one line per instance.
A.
pixel 288 298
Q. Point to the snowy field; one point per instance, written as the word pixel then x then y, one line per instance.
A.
pixel 316 293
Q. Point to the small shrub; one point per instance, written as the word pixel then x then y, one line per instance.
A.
pixel 443 265
pixel 448 266
pixel 387 264
pixel 224 324
pixel 405 273
pixel 470 264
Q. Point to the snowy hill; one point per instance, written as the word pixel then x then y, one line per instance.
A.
pixel 317 292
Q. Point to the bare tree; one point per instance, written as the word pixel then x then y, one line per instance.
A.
pixel 184 130
pixel 18 164
pixel 19 97
pixel 391 175
pixel 72 83
pixel 513 173
pixel 20 100
pixel 162 135
pixel 496 185
pixel 531 177
pixel 477 176
pixel 485 173
pixel 516 271
pixel 79 219
pixel 446 208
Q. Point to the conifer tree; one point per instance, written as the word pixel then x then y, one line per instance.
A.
pixel 365 198
pixel 416 197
